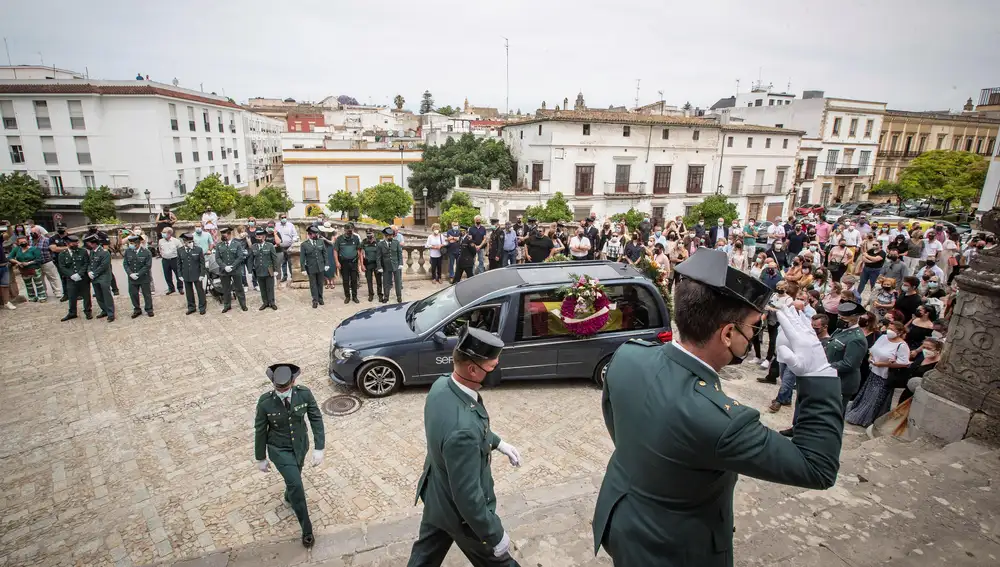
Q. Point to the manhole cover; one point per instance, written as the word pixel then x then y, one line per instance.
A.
pixel 341 405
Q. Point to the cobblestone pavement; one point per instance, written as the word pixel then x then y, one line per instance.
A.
pixel 130 443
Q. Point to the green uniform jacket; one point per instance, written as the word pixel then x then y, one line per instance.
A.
pixel 346 247
pixel 138 261
pixel 457 483
pixel 100 265
pixel 389 254
pixel 74 262
pixel 192 262
pixel 680 445
pixel 312 256
pixel 370 248
pixel 283 431
pixel 229 253
pixel 846 351
pixel 263 259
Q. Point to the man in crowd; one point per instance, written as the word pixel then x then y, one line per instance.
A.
pixel 495 249
pixel 823 232
pixel 345 252
pixel 389 259
pixel 720 230
pixel 579 245
pixel 58 244
pixel 312 260
pixel 263 267
pixel 593 235
pixel 100 276
pixel 852 237
pixel 645 229
pixel 168 247
pixel 369 257
pixel 775 232
pixel 507 242
pixel 73 266
pixel 138 264
pixel 478 234
pixel 453 249
pixel 796 240
pixel 210 221
pixel 562 236
pixel 289 236
pixel 539 246
pixel 191 271
pixel 103 241
pixel 48 269
pixel 229 256
pixel 894 268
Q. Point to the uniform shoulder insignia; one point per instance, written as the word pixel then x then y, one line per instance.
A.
pixel 264 396
pixel 642 342
pixel 713 393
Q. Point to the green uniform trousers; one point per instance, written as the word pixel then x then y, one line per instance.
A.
pixel 390 279
pixel 105 301
pixel 76 291
pixel 349 273
pixel 433 543
pixel 295 495
pixel 232 283
pixel 266 285
pixel 133 293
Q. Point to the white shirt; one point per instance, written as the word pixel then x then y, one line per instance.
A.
pixel 931 249
pixel 579 241
pixel 885 351
pixel 168 248
pixel 934 270
pixel 775 232
pixel 467 390
pixel 894 232
pixel 852 237
pixel 435 240
pixel 289 234
pixel 209 219
pixel 681 348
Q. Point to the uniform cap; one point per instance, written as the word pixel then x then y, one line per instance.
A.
pixel 494 221
pixel 532 219
pixel 387 230
pixel 479 344
pixel 72 238
pixel 312 230
pixel 282 373
pixel 187 236
pixel 849 308
pixel 349 225
pixel 260 232
pixel 711 268
pixel 224 230
pixel 134 238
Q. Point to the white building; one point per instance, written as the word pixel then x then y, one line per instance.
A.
pixel 312 176
pixel 607 163
pixel 33 72
pixel 990 196
pixel 841 136
pixel 133 136
pixel 262 147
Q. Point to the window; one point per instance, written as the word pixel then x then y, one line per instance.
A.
pixel 42 115
pixel 749 141
pixel 219 116
pixel 352 183
pixel 736 182
pixel 661 179
pixel 729 142
pixel 811 167
pixel 88 179
pixel 955 143
pixel 225 173
pixel 767 142
pixel 386 179
pixel 232 130
pixel 895 142
pixel 173 116
pixel 848 157
pixel 990 145
pixel 758 102
pixel 197 175
pixel 863 161
pixel 586 129
pixel 922 144
pixel 178 157
pixel 869 126
pixel 831 161
pixel 49 150
pixel 204 117
pixel 779 180
pixel 626 130
pixel 979 145
pixel 76 121
pixel 486 318
pixel 235 148
pixel 56 182
pixel 908 144
pixel 521 132
pixel 666 134
pixel 181 187
pixel 16 150
pixel 696 135
pixel 310 189
pixel 968 144
pixel 191 118
pixel 836 126
pixel 940 142
pixel 539 129
pixel 784 144
pixel 584 180
pixel 852 130
pixel 770 102
pixel 696 176
pixel 211 154
pixel 222 148
pixel 637 309
pixel 194 149
pixel 779 125
pixel 82 150
pixel 824 196
pixel 7 112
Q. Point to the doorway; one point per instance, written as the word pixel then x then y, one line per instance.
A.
pixel 536 176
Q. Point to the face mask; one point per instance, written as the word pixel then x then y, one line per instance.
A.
pixel 198 230
pixel 843 324
pixel 930 263
pixel 720 224
pixel 251 223
pixel 701 223
pixel 893 257
pixel 25 245
pixel 131 246
pixel 927 352
pixel 189 244
pixel 738 359
pixel 771 271
pixel 813 248
pixel 887 289
pixel 284 395
pixel 437 232
pixel 492 377
pixel 284 221
pixel 657 234
pixel 777 246
pixel 163 234
pixel 891 334
pixel 906 288
pixel 937 335
pixel 932 285
pixel 313 236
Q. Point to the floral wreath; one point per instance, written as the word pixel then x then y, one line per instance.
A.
pixel 659 276
pixel 585 307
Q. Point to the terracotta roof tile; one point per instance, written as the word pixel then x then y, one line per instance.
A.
pixel 126 90
pixel 607 117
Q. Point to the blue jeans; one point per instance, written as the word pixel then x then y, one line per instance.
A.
pixel 787 385
pixel 508 257
pixel 452 260
pixel 481 256
pixel 868 275
pixel 286 262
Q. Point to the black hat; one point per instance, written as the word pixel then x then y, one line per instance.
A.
pixel 312 230
pixel 281 374
pixel 463 227
pixel 72 238
pixel 349 225
pixel 711 267
pixel 187 236
pixel 849 308
pixel 134 238
pixel 532 219
pixel 260 232
pixel 387 230
pixel 561 224
pixel 61 226
pixel 495 221
pixel 588 220
pixel 224 230
pixel 90 237
pixel 479 344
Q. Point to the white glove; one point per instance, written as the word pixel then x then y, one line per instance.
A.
pixel 325 268
pixel 502 547
pixel 800 349
pixel 180 280
pixel 264 466
pixel 511 452
pixel 75 277
pixel 229 269
pixel 206 262
pixel 317 457
pixel 134 276
pixel 90 275
pixel 204 280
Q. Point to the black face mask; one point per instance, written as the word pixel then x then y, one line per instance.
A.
pixel 771 271
pixel 844 324
pixel 492 377
pixel 737 359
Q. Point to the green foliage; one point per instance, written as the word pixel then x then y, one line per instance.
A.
pixel 210 192
pixel 266 204
pixel 898 190
pixel 558 258
pixel 399 101
pixel 631 218
pixel 21 197
pixel 343 201
pixel 460 198
pixel 945 175
pixel 107 220
pixel 385 202
pixel 98 204
pixel 475 160
pixel 464 215
pixel 713 207
pixel 554 210
pixel 427 103
pixel 313 210
pixel 447 110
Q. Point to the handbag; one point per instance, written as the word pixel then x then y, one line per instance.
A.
pixel 898 377
pixel 27 272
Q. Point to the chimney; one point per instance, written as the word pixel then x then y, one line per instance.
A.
pixel 968 105
pixel 566 103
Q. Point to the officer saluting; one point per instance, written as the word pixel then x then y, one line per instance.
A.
pixel 457 483
pixel 848 348
pixel 229 256
pixel 280 427
pixel 681 442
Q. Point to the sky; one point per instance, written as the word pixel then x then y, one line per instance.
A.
pixel 912 54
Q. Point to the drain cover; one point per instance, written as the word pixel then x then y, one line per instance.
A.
pixel 341 405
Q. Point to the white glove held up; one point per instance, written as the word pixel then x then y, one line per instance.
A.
pixel 798 347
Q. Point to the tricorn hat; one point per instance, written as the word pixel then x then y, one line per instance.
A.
pixel 187 236
pixel 479 344
pixel 282 373
pixel 134 238
pixel 848 308
pixel 312 229
pixel 224 230
pixel 387 230
pixel 72 238
pixel 711 268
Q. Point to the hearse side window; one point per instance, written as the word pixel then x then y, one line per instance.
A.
pixel 636 308
pixel 486 318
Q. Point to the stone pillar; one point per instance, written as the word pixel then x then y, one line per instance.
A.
pixel 961 396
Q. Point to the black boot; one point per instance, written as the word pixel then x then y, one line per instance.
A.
pixel 68 318
pixel 262 307
pixel 136 314
pixel 308 540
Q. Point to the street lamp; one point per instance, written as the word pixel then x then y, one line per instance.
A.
pixel 425 206
pixel 149 205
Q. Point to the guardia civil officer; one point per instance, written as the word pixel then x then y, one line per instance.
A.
pixel 681 442
pixel 345 250
pixel 312 260
pixel 73 265
pixel 457 483
pixel 192 271
pixel 100 276
pixel 137 263
pixel 263 265
pixel 229 255
pixel 389 259
pixel 280 428
pixel 369 255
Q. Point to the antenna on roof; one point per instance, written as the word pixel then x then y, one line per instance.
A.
pixel 662 103
pixel 737 87
pixel 637 92
pixel 789 85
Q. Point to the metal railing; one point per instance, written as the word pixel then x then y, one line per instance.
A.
pixel 762 189
pixel 899 154
pixel 632 189
pixel 848 171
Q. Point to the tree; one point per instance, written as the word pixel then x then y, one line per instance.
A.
pixel 21 197
pixel 475 160
pixel 385 202
pixel 347 100
pixel 946 176
pixel 631 218
pixel 343 201
pixel 711 208
pixel 210 192
pixel 399 101
pixel 266 204
pixel 464 215
pixel 687 106
pixel 98 204
pixel 897 190
pixel 554 210
pixel 447 110
pixel 426 103
pixel 458 198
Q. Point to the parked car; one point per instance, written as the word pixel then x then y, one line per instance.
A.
pixel 806 209
pixel 380 349
pixel 835 212
pixel 761 228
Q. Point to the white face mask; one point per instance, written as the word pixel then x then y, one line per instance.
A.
pixel 937 335
pixel 927 352
pixel 891 334
pixel 284 395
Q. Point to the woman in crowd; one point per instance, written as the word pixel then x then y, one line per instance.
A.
pixel 889 352
pixel 660 257
pixel 794 273
pixel 806 281
pixel 950 254
pixel 908 299
pixel 849 284
pixel 757 268
pixel 831 301
pixel 839 258
pixel 724 245
pixel 885 300
pixel 925 359
pixel 781 256
pixel 28 260
pixel 435 244
pixel 898 245
pixel 738 256
pixel 921 326
pixel 872 330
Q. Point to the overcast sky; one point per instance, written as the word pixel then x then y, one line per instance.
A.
pixel 913 54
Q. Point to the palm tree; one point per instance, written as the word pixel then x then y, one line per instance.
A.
pixel 399 101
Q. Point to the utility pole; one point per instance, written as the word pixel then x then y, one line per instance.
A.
pixel 737 87
pixel 8 57
pixel 637 92
pixel 506 47
pixel 662 102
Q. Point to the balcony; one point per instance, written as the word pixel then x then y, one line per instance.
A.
pixel 848 171
pixel 625 190
pixel 80 192
pixel 899 154
pixel 763 189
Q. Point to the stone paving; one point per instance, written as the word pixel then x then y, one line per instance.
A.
pixel 131 443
